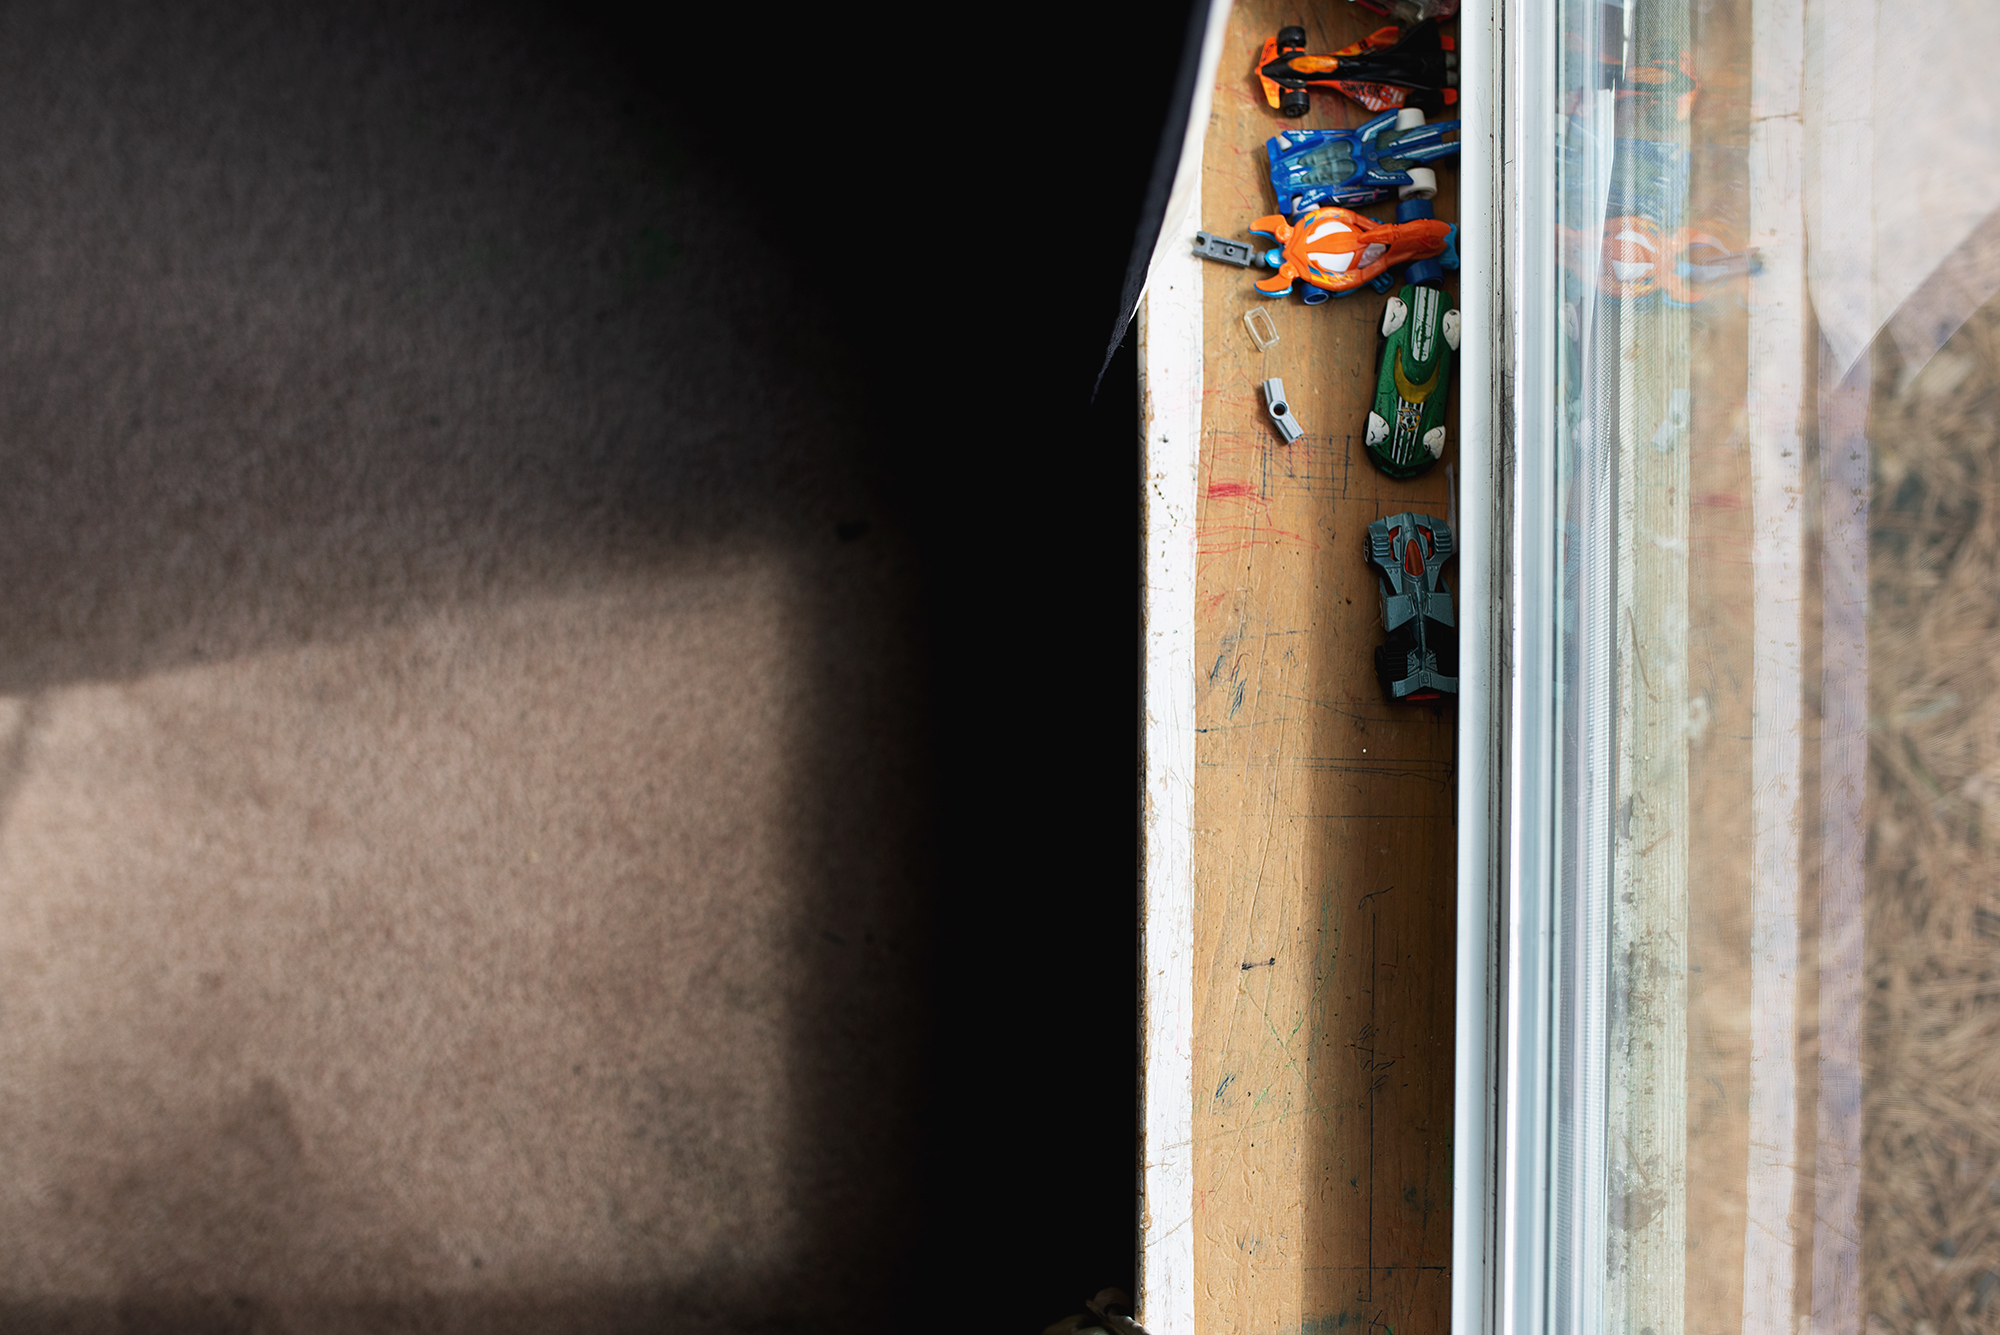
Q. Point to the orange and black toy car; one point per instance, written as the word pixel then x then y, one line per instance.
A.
pixel 1340 251
pixel 1391 67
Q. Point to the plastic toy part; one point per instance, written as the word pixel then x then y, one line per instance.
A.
pixel 1211 247
pixel 1337 250
pixel 1418 659
pixel 1391 67
pixel 1281 410
pixel 1376 161
pixel 1262 332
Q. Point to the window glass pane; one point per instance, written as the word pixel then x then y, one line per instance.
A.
pixel 1776 988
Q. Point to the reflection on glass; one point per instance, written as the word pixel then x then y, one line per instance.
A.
pixel 1776 995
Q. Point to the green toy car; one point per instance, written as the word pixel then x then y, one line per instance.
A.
pixel 1420 331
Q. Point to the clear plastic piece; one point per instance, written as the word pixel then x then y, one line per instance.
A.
pixel 1262 332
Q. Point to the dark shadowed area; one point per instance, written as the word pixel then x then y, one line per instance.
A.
pixel 567 678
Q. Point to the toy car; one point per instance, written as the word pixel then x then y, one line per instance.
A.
pixel 1391 67
pixel 1418 659
pixel 1420 332
pixel 1376 161
pixel 1245 256
pixel 1338 251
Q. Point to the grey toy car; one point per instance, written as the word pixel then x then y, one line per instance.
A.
pixel 1419 657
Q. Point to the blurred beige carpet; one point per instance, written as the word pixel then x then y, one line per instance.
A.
pixel 457 778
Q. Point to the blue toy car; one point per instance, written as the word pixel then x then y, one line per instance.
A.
pixel 1377 161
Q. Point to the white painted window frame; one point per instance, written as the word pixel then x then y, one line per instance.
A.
pixel 1497 643
pixel 1170 384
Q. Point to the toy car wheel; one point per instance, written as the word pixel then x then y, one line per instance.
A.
pixel 1423 184
pixel 1292 38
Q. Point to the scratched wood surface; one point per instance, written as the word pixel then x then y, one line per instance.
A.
pixel 1323 819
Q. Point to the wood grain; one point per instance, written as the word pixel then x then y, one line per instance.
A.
pixel 1323 824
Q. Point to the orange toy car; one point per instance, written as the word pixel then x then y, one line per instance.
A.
pixel 1390 67
pixel 1338 250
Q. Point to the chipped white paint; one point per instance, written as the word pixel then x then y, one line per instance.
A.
pixel 1170 376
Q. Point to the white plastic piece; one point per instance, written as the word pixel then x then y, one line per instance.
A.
pixel 1394 314
pixel 1281 411
pixel 1423 184
pixel 1451 326
pixel 1434 441
pixel 1408 118
pixel 1262 332
pixel 1378 430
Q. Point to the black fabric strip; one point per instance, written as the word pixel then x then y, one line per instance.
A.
pixel 1153 211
